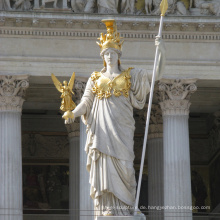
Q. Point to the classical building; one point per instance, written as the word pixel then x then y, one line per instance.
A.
pixel 42 162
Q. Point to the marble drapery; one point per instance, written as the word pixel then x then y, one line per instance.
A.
pixel 109 144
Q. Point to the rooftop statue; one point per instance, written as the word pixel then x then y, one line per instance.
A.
pixel 46 1
pixel 178 7
pixel 78 5
pixel 5 5
pixel 107 109
pixel 107 7
pixel 205 6
pixel 127 6
pixel 22 4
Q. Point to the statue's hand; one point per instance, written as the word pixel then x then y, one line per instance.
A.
pixel 160 44
pixel 69 121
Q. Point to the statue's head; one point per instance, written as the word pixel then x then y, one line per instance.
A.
pixel 111 57
pixel 65 83
pixel 110 43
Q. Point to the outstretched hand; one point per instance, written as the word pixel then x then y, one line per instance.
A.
pixel 160 44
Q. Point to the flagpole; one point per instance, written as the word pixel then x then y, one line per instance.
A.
pixel 163 8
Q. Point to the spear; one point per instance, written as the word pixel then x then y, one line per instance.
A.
pixel 163 9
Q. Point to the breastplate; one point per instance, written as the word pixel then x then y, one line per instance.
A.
pixel 120 85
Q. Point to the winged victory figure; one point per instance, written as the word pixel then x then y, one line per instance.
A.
pixel 67 103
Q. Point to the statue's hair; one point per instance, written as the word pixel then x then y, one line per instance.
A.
pixel 119 55
pixel 117 51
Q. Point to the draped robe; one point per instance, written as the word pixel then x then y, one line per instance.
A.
pixel 109 145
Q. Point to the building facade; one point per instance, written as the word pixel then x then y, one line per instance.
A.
pixel 43 164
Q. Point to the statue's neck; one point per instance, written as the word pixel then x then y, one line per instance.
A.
pixel 113 69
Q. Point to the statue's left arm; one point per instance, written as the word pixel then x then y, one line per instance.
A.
pixel 161 59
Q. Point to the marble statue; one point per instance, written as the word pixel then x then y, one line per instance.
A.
pixel 107 109
pixel 22 4
pixel 148 6
pixel 78 5
pixel 175 7
pixel 206 6
pixel 107 6
pixel 90 6
pixel 5 5
pixel 127 6
pixel 46 1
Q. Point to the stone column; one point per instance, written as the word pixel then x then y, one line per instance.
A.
pixel 86 202
pixel 174 97
pixel 12 91
pixel 81 204
pixel 74 170
pixel 155 164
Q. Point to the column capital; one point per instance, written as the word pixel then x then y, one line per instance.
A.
pixel 214 132
pixel 12 92
pixel 156 122
pixel 79 88
pixel 73 129
pixel 174 95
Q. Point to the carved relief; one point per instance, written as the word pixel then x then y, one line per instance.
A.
pixel 5 5
pixel 127 6
pixel 149 7
pixel 156 122
pixel 8 5
pixel 78 5
pixel 175 94
pixel 90 6
pixel 54 5
pixel 39 146
pixel 214 135
pixel 107 7
pixel 73 129
pixel 175 7
pixel 24 5
pixel 204 7
pixel 12 92
pixel 46 1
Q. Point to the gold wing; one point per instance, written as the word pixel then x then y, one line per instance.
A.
pixel 56 82
pixel 71 82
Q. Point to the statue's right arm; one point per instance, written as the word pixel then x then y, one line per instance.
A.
pixel 80 110
pixel 86 103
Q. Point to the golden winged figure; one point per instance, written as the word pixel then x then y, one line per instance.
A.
pixel 67 104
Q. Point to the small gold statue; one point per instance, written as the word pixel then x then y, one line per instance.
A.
pixel 67 104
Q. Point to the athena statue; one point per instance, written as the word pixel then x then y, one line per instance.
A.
pixel 107 109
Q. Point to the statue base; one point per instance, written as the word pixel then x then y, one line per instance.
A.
pixel 121 218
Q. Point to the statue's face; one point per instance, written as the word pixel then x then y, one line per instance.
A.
pixel 65 83
pixel 111 57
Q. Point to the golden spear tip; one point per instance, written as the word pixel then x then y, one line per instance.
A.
pixel 163 7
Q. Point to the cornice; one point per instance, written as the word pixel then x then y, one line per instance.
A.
pixel 69 25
